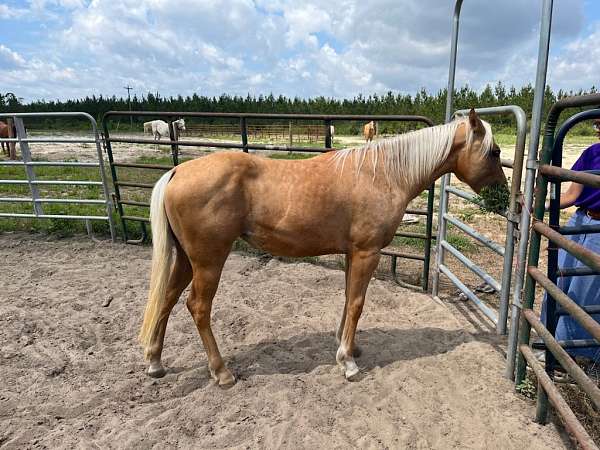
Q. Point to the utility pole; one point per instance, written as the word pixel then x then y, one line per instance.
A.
pixel 129 88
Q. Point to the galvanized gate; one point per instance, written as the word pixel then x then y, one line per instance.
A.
pixel 506 251
pixel 444 217
pixel 122 203
pixel 550 170
pixel 36 200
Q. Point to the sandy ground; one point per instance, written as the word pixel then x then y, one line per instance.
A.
pixel 72 373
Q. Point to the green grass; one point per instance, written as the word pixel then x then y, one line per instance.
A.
pixel 457 239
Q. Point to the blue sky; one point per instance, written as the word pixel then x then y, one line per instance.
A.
pixel 57 49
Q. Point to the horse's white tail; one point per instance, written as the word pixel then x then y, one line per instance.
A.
pixel 162 251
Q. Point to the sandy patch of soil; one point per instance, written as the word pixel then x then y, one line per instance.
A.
pixel 73 376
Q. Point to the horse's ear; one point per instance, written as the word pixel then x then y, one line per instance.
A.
pixel 475 121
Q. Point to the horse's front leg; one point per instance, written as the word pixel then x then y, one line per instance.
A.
pixel 361 266
pixel 357 350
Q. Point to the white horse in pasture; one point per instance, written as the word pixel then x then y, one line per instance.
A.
pixel 160 128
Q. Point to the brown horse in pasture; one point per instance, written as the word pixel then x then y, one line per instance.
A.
pixel 4 133
pixel 348 201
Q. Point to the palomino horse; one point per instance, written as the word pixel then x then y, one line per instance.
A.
pixel 349 201
pixel 160 128
pixel 369 131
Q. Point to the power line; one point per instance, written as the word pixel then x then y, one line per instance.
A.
pixel 129 88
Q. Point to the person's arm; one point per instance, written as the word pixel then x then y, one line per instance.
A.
pixel 570 197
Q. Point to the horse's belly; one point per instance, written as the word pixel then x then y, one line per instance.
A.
pixel 294 242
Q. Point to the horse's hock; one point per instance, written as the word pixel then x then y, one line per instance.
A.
pixel 71 370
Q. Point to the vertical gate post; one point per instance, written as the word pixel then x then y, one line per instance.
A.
pixel 441 233
pixel 113 172
pixel 105 188
pixel 328 143
pixel 174 136
pixel 26 155
pixel 534 139
pixel 244 131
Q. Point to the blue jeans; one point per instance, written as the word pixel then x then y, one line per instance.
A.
pixel 585 291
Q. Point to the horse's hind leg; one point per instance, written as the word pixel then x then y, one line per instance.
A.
pixel 181 275
pixel 362 265
pixel 204 286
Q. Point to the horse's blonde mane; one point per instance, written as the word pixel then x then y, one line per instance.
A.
pixel 412 156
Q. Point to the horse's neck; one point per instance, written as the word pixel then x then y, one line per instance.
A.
pixel 402 185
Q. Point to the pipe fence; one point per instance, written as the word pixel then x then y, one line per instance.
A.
pixel 558 303
pixel 36 199
pixel 123 202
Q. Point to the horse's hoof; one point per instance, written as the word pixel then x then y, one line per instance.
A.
pixel 156 371
pixel 224 378
pixel 352 374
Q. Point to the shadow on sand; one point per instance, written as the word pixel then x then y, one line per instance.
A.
pixel 303 353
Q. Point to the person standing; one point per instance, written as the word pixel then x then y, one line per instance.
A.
pixel 583 290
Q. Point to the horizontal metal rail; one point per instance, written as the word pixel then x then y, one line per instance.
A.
pixel 576 372
pixel 53 216
pixel 391 252
pixel 575 272
pixel 580 229
pixel 554 173
pixel 472 266
pixel 569 419
pixel 571 343
pixel 138 218
pixel 569 305
pixel 418 212
pixel 134 203
pixel 462 194
pixel 132 184
pixel 49 140
pixel 474 234
pixel 234 145
pixel 490 314
pixel 410 235
pixel 583 254
pixel 143 166
pixel 590 309
pixel 52 200
pixel 54 182
pixel 50 163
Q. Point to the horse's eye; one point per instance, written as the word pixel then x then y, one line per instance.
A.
pixel 495 152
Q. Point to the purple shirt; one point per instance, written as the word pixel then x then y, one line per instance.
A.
pixel 589 160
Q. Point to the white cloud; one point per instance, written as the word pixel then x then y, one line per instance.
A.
pixel 9 59
pixel 314 47
pixel 11 12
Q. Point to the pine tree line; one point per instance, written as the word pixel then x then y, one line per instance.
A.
pixel 421 103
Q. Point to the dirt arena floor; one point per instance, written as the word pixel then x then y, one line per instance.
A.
pixel 73 376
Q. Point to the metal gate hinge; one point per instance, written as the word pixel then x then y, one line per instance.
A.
pixel 532 165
